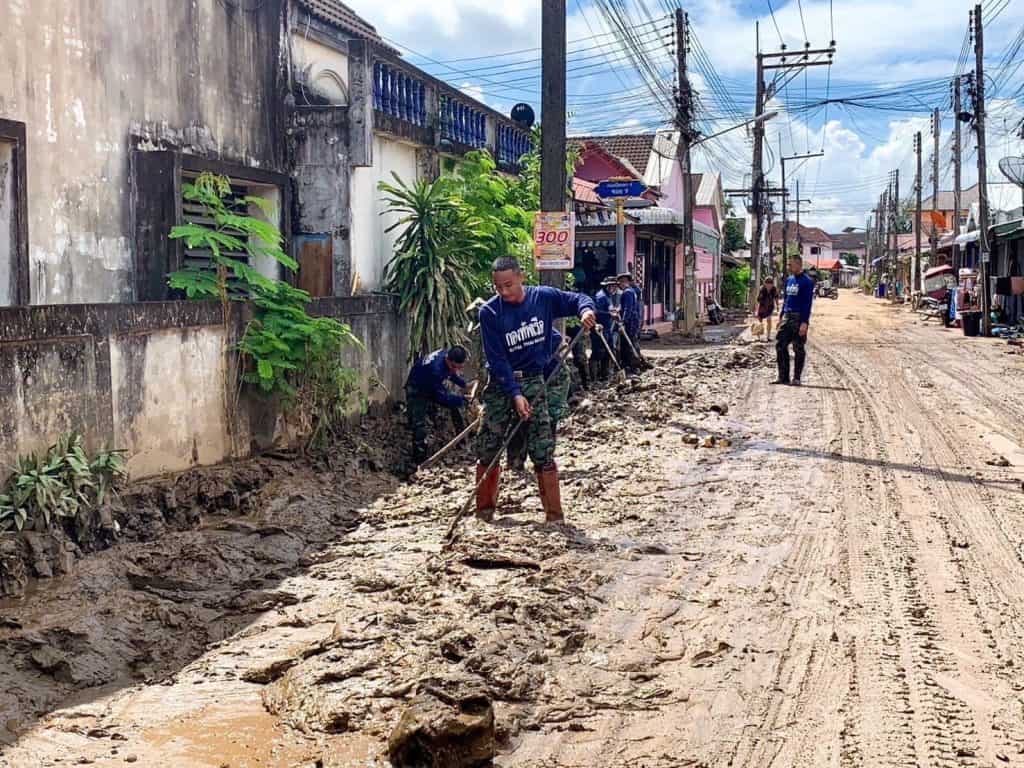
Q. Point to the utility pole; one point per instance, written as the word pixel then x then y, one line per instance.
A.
pixel 553 180
pixel 763 92
pixel 895 202
pixel 783 159
pixel 956 171
pixel 979 125
pixel 917 214
pixel 684 123
pixel 934 239
pixel 756 176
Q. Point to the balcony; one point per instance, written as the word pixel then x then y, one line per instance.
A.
pixel 413 106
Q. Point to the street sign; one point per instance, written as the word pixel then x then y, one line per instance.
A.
pixel 615 188
pixel 554 240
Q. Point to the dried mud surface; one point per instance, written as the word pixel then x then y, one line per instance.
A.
pixel 751 576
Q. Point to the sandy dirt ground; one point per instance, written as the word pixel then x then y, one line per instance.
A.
pixel 832 576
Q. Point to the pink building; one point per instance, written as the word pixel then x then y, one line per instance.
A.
pixel 653 234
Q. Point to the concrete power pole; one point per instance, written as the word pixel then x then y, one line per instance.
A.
pixel 757 175
pixel 934 238
pixel 684 123
pixel 956 170
pixel 553 180
pixel 917 215
pixel 979 124
pixel 895 211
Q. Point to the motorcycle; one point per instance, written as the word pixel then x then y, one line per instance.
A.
pixel 827 292
pixel 715 314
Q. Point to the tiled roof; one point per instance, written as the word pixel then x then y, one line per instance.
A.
pixel 807 234
pixel 968 197
pixel 849 241
pixel 340 15
pixel 583 191
pixel 634 149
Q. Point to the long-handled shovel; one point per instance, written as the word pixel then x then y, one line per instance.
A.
pixel 513 429
pixel 620 377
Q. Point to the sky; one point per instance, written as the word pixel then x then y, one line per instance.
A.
pixel 893 63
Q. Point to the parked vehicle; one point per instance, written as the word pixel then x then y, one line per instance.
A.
pixel 715 314
pixel 938 280
pixel 826 291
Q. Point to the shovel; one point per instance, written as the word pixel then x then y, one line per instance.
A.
pixel 620 377
pixel 513 429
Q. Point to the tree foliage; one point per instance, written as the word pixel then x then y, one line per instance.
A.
pixel 735 285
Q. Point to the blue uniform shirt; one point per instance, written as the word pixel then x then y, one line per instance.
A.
pixel 799 293
pixel 630 312
pixel 428 376
pixel 517 337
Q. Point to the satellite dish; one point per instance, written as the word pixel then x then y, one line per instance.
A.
pixel 522 115
pixel 1013 169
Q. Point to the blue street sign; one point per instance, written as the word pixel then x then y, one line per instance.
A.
pixel 620 189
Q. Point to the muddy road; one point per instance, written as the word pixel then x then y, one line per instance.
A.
pixel 753 576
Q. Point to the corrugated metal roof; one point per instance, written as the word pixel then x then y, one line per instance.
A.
pixel 340 15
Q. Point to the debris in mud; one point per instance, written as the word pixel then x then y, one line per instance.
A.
pixel 709 656
pixel 998 461
pixel 444 729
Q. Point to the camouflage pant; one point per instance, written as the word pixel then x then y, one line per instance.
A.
pixel 422 411
pixel 558 408
pixel 500 415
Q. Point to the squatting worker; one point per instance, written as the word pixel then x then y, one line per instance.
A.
pixel 425 390
pixel 767 305
pixel 558 384
pixel 517 327
pixel 796 314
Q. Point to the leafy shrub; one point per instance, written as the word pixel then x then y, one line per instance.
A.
pixel 64 482
pixel 735 286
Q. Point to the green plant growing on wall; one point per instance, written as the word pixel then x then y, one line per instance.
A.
pixel 434 268
pixel 735 285
pixel 285 351
pixel 62 483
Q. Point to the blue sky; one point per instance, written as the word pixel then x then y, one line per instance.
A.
pixel 489 50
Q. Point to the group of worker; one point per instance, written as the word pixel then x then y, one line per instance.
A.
pixel 528 377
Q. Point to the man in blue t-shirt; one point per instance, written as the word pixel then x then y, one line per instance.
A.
pixel 425 390
pixel 798 294
pixel 607 307
pixel 516 326
pixel 630 324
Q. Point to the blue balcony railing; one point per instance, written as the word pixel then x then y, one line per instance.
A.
pixel 512 145
pixel 462 123
pixel 399 94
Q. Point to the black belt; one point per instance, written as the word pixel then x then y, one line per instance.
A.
pixel 527 374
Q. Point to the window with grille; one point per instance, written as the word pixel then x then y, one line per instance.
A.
pixel 195 213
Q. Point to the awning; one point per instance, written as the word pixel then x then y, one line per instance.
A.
pixel 944 269
pixel 657 215
pixel 595 243
pixel 968 237
pixel 1011 230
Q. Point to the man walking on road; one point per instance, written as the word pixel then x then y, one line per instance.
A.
pixel 796 314
pixel 517 329
pixel 767 305
pixel 607 314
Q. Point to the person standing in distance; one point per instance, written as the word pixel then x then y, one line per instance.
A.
pixel 767 305
pixel 516 326
pixel 796 315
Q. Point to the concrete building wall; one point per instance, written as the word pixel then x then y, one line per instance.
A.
pixel 320 68
pixel 85 76
pixel 7 244
pixel 372 244
pixel 149 378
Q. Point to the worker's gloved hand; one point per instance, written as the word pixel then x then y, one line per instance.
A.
pixel 589 320
pixel 523 407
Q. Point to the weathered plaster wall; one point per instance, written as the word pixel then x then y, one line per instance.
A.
pixel 320 68
pixel 6 222
pixel 372 244
pixel 148 378
pixel 83 75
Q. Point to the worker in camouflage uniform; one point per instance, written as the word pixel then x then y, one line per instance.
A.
pixel 558 404
pixel 517 327
pixel 426 391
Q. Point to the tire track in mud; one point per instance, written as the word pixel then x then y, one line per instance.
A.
pixel 899 714
pixel 798 726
